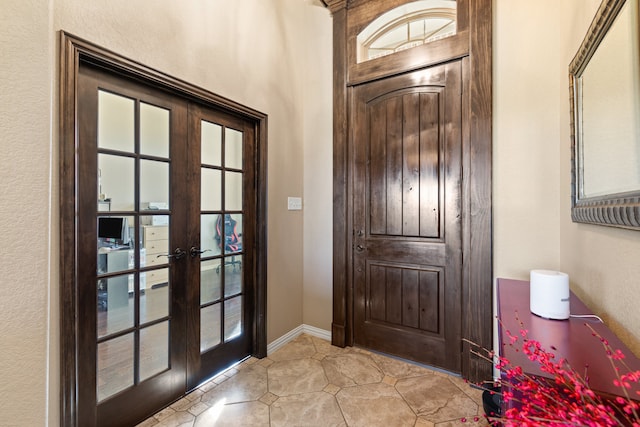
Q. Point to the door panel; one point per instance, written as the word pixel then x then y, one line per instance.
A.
pixel 407 297
pixel 407 204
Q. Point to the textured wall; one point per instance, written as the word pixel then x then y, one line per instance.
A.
pixel 25 209
pixel 246 50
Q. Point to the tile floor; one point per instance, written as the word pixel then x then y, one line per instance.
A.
pixel 308 382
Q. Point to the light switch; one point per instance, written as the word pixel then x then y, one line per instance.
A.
pixel 294 203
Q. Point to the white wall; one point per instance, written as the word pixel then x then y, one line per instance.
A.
pixel 318 168
pixel 529 84
pixel 534 42
pixel 601 261
pixel 247 50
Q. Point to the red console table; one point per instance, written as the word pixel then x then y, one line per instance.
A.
pixel 571 338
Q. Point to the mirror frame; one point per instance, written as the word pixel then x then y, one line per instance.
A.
pixel 615 210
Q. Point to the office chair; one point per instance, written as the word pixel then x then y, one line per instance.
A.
pixel 226 231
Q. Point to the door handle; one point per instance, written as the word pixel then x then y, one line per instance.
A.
pixel 177 254
pixel 194 252
pixel 359 248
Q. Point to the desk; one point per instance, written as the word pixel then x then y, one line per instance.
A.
pixel 572 339
pixel 111 261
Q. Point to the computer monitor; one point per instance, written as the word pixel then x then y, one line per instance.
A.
pixel 115 229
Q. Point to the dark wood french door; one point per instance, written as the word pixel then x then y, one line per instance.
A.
pixel 222 236
pixel 166 239
pixel 407 249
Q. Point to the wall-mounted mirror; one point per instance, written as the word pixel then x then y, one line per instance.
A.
pixel 605 119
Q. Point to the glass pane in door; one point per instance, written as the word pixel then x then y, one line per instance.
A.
pixel 154 184
pixel 210 234
pixel 116 122
pixel 232 318
pixel 154 295
pixel 154 350
pixel 211 189
pixel 115 306
pixel 115 243
pixel 154 244
pixel 233 255
pixel 233 149
pixel 154 130
pixel 232 229
pixel 211 143
pixel 116 182
pixel 232 275
pixel 115 366
pixel 233 191
pixel 210 284
pixel 210 322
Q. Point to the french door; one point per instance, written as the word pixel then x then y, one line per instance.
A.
pixel 221 232
pixel 131 292
pixel 165 267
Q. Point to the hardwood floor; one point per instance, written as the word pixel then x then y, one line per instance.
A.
pixel 116 357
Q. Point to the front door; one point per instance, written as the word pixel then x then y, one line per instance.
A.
pixel 407 248
pixel 166 232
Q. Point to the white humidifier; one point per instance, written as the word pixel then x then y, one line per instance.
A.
pixel 549 294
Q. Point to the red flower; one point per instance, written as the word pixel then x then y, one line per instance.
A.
pixel 566 399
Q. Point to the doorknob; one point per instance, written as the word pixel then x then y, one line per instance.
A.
pixel 359 248
pixel 194 252
pixel 177 254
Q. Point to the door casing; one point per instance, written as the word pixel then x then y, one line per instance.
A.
pixel 73 52
pixel 471 44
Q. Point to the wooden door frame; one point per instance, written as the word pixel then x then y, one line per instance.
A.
pixel 473 45
pixel 73 52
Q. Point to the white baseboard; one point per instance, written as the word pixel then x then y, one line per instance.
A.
pixel 294 333
pixel 316 332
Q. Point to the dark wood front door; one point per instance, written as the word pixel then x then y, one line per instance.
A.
pixel 166 245
pixel 407 248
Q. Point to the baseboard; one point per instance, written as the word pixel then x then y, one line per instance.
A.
pixel 316 332
pixel 294 333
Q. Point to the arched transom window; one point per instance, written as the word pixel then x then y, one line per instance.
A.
pixel 407 26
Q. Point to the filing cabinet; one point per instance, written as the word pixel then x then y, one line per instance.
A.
pixel 155 241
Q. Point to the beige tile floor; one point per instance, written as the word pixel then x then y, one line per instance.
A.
pixel 309 382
